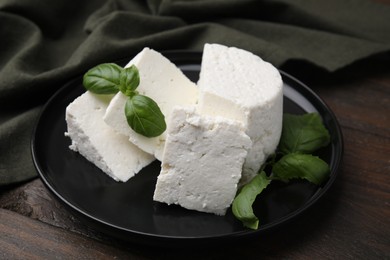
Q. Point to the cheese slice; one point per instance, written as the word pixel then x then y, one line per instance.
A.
pixel 113 153
pixel 163 82
pixel 202 161
pixel 239 85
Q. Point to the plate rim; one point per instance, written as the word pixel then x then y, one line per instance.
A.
pixel 104 226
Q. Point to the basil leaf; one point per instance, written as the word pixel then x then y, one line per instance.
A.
pixel 103 79
pixel 144 116
pixel 242 204
pixel 129 80
pixel 303 134
pixel 303 166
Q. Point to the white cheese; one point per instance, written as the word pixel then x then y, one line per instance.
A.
pixel 98 143
pixel 160 80
pixel 239 85
pixel 202 161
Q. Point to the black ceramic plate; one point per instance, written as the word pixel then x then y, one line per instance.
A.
pixel 127 210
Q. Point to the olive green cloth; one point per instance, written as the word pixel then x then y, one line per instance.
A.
pixel 45 43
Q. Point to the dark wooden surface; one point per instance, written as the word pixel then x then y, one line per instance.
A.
pixel 351 222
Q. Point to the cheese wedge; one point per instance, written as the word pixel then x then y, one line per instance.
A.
pixel 163 82
pixel 239 85
pixel 202 161
pixel 99 143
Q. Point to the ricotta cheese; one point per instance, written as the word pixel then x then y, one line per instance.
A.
pixel 163 82
pixel 99 143
pixel 239 85
pixel 202 161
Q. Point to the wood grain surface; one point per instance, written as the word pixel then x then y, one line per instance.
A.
pixel 350 222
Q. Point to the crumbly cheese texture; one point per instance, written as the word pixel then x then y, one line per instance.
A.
pixel 202 161
pixel 163 82
pixel 99 143
pixel 239 85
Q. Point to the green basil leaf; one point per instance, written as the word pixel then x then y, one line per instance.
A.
pixel 303 134
pixel 242 204
pixel 129 80
pixel 103 79
pixel 144 116
pixel 302 166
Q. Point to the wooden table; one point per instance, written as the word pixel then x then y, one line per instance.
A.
pixel 351 222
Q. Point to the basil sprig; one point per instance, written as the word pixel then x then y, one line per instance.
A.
pixel 143 114
pixel 303 166
pixel 301 136
pixel 242 204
